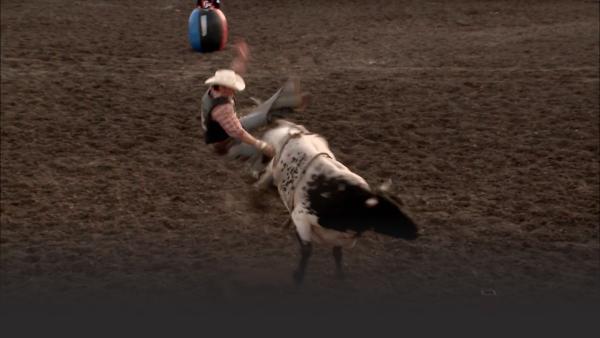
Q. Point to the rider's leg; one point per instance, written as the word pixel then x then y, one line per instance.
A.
pixel 285 101
pixel 291 97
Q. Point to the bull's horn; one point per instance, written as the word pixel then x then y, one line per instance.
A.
pixel 386 186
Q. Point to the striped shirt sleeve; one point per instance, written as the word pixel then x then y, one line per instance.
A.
pixel 225 116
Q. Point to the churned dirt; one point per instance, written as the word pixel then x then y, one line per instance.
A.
pixel 483 113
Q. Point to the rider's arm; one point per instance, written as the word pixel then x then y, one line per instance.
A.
pixel 225 116
pixel 238 64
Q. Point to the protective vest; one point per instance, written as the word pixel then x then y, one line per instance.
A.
pixel 213 132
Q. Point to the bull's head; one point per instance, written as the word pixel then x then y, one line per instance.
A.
pixel 386 210
pixel 280 133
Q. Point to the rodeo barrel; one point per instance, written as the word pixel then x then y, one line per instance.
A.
pixel 207 30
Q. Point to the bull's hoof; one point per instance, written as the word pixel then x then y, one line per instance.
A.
pixel 298 277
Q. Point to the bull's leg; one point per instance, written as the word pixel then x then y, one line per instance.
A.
pixel 302 222
pixel 305 252
pixel 266 178
pixel 337 255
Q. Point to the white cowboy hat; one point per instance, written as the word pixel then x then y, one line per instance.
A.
pixel 227 78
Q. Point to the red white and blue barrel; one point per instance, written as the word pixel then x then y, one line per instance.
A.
pixel 207 30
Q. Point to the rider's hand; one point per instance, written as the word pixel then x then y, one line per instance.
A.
pixel 242 49
pixel 265 148
pixel 269 151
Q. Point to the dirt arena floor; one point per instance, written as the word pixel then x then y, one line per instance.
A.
pixel 483 113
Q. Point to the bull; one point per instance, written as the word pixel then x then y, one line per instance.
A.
pixel 327 202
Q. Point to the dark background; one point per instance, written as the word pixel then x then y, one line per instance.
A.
pixel 483 113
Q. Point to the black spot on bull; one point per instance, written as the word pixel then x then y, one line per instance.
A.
pixel 342 206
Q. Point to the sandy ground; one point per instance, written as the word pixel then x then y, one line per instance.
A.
pixel 484 114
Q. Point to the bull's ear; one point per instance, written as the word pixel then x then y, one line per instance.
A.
pixel 371 202
pixel 386 186
pixel 302 128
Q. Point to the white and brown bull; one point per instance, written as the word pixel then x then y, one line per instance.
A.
pixel 327 202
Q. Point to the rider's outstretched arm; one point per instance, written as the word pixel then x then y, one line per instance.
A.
pixel 238 64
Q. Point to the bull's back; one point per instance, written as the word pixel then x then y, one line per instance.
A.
pixel 293 164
